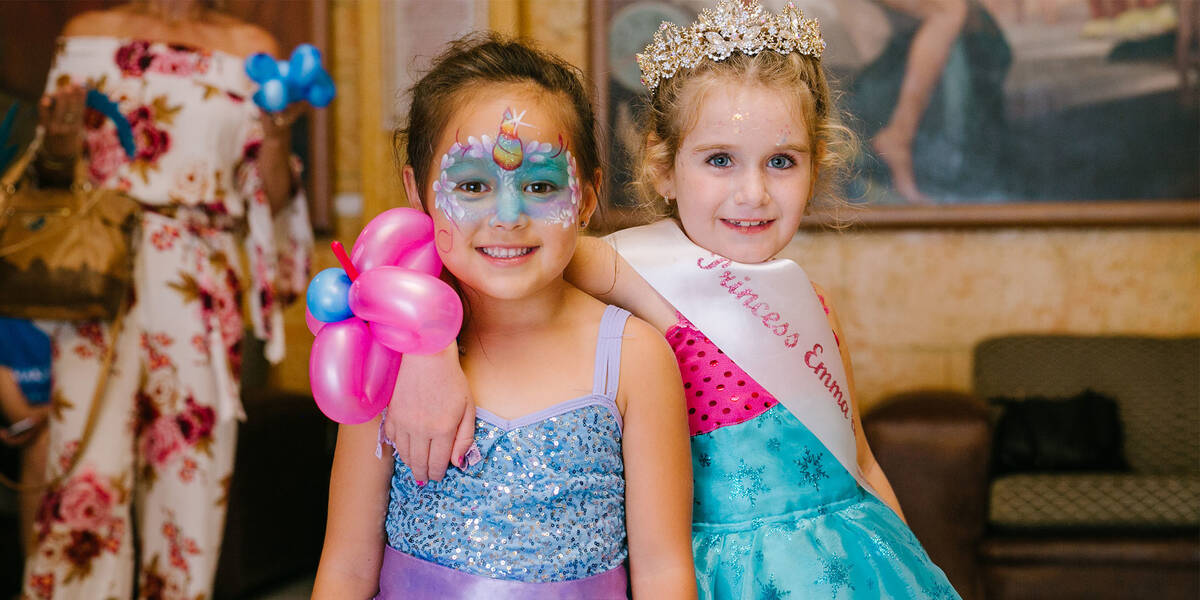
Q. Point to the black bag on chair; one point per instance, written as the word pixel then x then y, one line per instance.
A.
pixel 1080 433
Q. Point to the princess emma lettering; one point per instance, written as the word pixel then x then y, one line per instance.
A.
pixel 825 377
pixel 749 300
pixel 740 289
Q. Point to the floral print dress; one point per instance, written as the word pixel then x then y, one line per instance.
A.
pixel 160 458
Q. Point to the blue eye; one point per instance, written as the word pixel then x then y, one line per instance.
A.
pixel 720 161
pixel 780 161
pixel 473 188
pixel 541 188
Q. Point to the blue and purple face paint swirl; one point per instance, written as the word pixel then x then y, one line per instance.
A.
pixel 501 178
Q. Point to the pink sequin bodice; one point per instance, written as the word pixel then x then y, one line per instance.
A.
pixel 719 393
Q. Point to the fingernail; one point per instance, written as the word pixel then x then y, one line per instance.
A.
pixel 462 460
pixel 420 484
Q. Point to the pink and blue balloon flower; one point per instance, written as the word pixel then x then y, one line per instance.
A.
pixel 386 301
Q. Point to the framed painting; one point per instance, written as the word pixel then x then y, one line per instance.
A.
pixel 990 112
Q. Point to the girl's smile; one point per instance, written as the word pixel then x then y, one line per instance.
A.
pixel 748 227
pixel 507 255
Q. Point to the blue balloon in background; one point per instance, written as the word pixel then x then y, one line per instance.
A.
pixel 261 67
pixel 321 92
pixel 300 78
pixel 328 296
pixel 272 96
pixel 305 63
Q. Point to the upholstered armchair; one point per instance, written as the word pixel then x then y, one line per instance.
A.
pixel 1128 532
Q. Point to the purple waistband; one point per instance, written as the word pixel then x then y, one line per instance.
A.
pixel 404 576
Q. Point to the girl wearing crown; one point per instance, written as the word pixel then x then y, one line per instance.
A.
pixel 741 135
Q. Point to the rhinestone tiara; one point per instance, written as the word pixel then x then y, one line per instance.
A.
pixel 742 25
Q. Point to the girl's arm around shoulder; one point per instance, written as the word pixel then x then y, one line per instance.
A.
pixel 866 458
pixel 358 501
pixel 658 467
pixel 598 270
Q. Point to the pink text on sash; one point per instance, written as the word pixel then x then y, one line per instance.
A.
pixel 761 309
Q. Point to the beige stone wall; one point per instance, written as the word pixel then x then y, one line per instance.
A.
pixel 914 303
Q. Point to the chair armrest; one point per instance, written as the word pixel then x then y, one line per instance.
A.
pixel 935 446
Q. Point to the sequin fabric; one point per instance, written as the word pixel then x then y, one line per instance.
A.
pixel 545 503
pixel 718 392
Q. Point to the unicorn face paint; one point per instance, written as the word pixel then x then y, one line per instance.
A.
pixel 499 179
pixel 506 193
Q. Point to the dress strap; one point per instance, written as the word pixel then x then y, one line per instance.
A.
pixel 608 352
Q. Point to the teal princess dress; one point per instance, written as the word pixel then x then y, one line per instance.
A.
pixel 776 515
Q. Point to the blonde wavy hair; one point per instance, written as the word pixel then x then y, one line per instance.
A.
pixel 674 106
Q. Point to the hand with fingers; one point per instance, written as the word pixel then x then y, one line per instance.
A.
pixel 60 113
pixel 431 418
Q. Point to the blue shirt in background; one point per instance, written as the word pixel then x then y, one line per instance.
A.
pixel 25 350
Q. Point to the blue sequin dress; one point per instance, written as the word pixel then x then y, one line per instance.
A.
pixel 546 502
pixel 775 514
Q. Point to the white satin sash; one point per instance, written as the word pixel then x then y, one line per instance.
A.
pixel 766 317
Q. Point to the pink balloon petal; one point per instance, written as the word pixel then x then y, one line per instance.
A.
pixel 379 374
pixel 336 374
pixel 314 324
pixel 397 237
pixel 409 311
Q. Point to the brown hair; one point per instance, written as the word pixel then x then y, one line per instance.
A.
pixel 487 58
pixel 674 107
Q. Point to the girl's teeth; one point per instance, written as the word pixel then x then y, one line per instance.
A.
pixel 749 223
pixel 506 252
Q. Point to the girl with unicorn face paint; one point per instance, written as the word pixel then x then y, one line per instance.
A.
pixel 741 134
pixel 505 203
pixel 578 407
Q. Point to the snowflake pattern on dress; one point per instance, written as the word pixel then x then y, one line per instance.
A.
pixel 736 560
pixel 836 574
pixel 747 482
pixel 770 591
pixel 944 591
pixel 812 471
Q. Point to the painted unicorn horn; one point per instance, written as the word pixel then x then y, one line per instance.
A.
pixel 507 152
